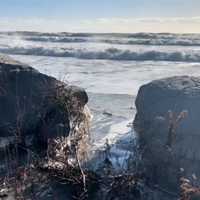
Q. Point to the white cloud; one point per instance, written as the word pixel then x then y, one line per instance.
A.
pixel 33 24
pixel 181 24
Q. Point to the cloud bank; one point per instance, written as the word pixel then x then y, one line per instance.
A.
pixel 123 25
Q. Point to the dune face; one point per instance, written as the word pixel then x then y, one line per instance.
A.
pixel 28 103
pixel 167 123
pixel 38 113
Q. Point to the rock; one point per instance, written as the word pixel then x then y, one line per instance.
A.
pixel 28 103
pixel 168 127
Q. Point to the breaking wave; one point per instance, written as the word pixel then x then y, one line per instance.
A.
pixel 156 42
pixel 160 39
pixel 108 54
pixel 56 39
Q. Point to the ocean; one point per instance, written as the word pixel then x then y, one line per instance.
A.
pixel 111 68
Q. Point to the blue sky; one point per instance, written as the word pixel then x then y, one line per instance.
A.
pixel 101 15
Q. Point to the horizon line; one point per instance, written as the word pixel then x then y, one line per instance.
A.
pixel 90 32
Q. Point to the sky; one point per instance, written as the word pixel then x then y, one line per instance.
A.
pixel 181 16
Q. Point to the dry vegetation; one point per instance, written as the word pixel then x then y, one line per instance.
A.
pixel 188 191
pixel 174 121
pixel 65 162
pixel 65 155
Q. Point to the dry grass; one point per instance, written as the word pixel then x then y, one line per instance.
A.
pixel 174 121
pixel 188 191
